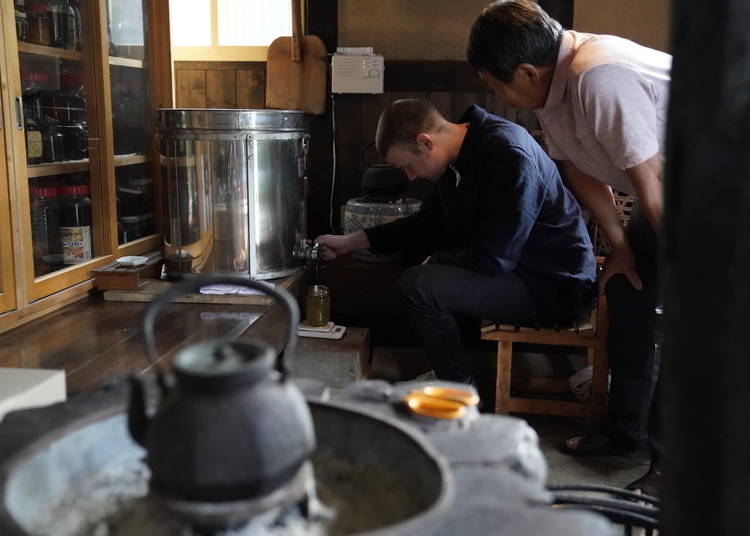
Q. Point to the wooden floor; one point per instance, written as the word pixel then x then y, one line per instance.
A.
pixel 96 341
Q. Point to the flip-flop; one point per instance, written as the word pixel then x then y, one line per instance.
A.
pixel 595 443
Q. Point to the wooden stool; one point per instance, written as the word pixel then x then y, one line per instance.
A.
pixel 591 335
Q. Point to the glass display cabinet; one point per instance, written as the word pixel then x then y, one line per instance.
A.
pixel 77 188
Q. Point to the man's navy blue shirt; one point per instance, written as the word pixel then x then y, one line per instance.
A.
pixel 509 212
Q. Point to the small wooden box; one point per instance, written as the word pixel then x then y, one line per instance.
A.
pixel 114 276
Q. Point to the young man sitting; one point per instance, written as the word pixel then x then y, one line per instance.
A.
pixel 498 236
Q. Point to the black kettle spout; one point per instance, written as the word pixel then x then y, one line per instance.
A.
pixel 138 421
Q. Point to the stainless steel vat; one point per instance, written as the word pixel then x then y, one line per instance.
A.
pixel 233 190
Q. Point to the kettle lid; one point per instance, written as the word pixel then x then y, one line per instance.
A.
pixel 223 360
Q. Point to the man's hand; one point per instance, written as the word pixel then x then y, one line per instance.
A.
pixel 337 245
pixel 620 260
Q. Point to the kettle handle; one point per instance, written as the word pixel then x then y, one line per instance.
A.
pixel 194 285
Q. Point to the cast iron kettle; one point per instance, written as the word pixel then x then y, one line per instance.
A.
pixel 231 427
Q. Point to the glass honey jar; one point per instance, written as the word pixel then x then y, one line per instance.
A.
pixel 318 306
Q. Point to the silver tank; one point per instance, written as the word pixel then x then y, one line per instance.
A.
pixel 233 189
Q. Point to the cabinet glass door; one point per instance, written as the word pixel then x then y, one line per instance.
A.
pixel 63 191
pixel 131 118
pixel 7 273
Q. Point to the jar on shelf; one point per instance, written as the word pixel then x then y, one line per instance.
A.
pixel 33 81
pixel 75 140
pixel 61 22
pixel 318 306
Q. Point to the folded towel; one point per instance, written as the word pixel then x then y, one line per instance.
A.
pixel 229 289
pixel 580 383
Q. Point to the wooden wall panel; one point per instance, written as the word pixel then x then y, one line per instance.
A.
pixel 349 143
pixel 251 89
pixel 220 84
pixel 191 88
pixel 461 101
pixel 372 106
pixel 443 101
pixel 221 89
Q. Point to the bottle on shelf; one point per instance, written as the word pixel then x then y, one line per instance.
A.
pixel 75 223
pixel 45 229
pixel 39 27
pixel 22 22
pixel 34 141
pixel 53 142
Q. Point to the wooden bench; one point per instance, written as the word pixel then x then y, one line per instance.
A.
pixel 590 334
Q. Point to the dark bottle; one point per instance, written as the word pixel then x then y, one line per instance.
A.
pixel 45 230
pixel 34 142
pixel 71 35
pixel 22 23
pixel 127 121
pixel 53 142
pixel 75 224
pixel 39 30
pixel 77 31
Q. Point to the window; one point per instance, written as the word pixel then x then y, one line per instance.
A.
pixel 227 30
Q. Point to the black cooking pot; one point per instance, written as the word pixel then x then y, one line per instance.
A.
pixel 384 182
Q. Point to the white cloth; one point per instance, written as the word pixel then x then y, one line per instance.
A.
pixel 229 289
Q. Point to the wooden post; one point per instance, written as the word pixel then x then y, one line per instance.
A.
pixel 502 387
pixel 706 367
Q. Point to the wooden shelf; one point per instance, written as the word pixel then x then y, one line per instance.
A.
pixel 127 62
pixel 58 168
pixel 130 159
pixel 40 50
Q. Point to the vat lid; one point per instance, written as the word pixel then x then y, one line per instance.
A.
pixel 217 119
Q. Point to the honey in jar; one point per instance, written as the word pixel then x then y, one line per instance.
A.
pixel 318 306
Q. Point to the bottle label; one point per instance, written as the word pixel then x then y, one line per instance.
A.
pixel 76 243
pixel 34 146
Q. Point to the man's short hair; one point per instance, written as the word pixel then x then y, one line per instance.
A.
pixel 509 33
pixel 402 121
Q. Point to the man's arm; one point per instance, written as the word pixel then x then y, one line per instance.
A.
pixel 598 199
pixel 646 179
pixel 338 245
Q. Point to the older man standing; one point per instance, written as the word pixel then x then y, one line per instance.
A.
pixel 602 102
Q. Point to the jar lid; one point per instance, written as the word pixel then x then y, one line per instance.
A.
pixel 34 77
pixel 75 189
pixel 37 7
pixel 44 191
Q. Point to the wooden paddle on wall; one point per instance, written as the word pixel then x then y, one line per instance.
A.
pixel 297 70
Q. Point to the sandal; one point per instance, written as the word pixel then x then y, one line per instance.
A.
pixel 648 484
pixel 595 443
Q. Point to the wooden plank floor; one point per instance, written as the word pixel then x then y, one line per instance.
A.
pixel 96 341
